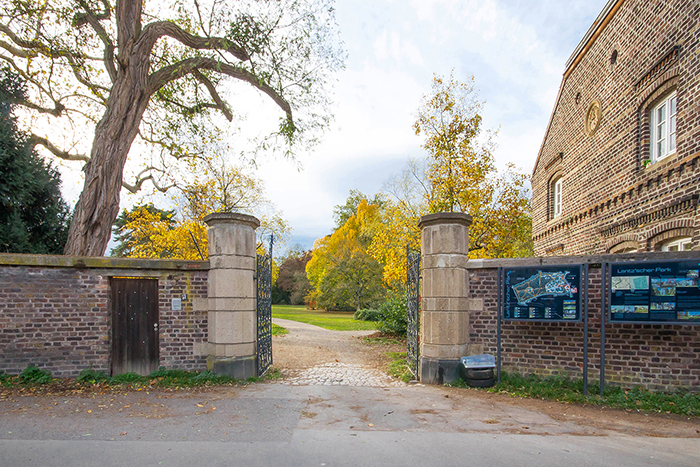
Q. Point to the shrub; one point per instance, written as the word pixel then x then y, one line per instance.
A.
pixel 5 379
pixel 88 375
pixel 392 314
pixel 209 377
pixel 366 315
pixel 34 375
pixel 125 378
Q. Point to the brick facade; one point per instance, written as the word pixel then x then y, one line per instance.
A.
pixel 662 357
pixel 613 197
pixel 55 312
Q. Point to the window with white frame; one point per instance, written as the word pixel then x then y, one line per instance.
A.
pixel 662 120
pixel 556 198
pixel 678 244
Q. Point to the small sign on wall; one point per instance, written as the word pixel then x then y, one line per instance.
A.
pixel 176 304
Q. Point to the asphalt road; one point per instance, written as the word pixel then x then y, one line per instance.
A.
pixel 330 448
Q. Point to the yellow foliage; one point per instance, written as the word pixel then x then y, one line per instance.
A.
pixel 220 189
pixel 463 177
pixel 153 237
pixel 398 229
pixel 340 271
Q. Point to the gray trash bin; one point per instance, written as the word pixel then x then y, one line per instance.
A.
pixel 477 370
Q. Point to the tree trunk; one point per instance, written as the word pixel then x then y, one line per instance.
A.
pixel 98 205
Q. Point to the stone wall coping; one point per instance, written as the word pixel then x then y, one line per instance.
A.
pixel 231 218
pixel 445 218
pixel 100 262
pixel 589 259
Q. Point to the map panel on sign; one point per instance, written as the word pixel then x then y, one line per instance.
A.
pixel 542 284
pixel 544 293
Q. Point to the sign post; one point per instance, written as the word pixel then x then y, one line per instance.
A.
pixel 603 295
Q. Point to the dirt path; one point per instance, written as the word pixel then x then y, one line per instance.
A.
pixel 307 346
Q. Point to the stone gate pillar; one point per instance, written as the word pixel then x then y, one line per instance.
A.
pixel 232 294
pixel 445 289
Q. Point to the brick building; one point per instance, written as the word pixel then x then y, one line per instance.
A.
pixel 619 167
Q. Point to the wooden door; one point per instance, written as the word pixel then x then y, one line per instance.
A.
pixel 134 325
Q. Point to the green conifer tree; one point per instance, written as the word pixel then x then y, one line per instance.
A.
pixel 33 215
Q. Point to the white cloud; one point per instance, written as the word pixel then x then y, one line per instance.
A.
pixel 380 47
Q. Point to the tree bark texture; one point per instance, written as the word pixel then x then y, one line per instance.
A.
pixel 98 204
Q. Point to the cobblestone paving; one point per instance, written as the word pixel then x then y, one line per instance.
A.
pixel 341 374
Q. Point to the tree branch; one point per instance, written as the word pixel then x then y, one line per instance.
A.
pixel 82 18
pixel 154 31
pixel 220 104
pixel 17 52
pixel 93 19
pixel 56 111
pixel 169 73
pixel 128 19
pixel 95 88
pixel 140 181
pixel 35 139
pixel 193 109
pixel 33 44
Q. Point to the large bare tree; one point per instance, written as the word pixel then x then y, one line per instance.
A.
pixel 119 71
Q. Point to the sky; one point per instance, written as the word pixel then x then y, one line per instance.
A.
pixel 515 49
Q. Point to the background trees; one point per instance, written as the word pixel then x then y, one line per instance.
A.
pixel 117 71
pixel 33 216
pixel 292 286
pixel 149 232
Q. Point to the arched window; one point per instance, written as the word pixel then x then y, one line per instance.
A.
pixel 629 246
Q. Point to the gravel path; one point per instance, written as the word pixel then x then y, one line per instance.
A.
pixel 313 356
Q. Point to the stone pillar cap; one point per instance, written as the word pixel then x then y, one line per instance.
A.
pixel 445 218
pixel 216 218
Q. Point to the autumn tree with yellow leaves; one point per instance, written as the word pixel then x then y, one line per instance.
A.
pixel 343 275
pixel 462 174
pixel 458 175
pixel 406 199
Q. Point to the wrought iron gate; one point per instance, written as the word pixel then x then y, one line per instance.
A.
pixel 264 310
pixel 412 310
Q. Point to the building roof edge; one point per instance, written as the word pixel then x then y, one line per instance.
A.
pixel 599 22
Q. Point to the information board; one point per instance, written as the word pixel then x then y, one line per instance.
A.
pixel 545 293
pixel 663 292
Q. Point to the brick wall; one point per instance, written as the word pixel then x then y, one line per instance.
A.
pixel 55 311
pixel 662 357
pixel 611 197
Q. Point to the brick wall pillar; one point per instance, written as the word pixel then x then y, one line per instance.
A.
pixel 445 290
pixel 232 294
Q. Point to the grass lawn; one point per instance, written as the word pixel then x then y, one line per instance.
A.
pixel 278 330
pixel 333 320
pixel 567 390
